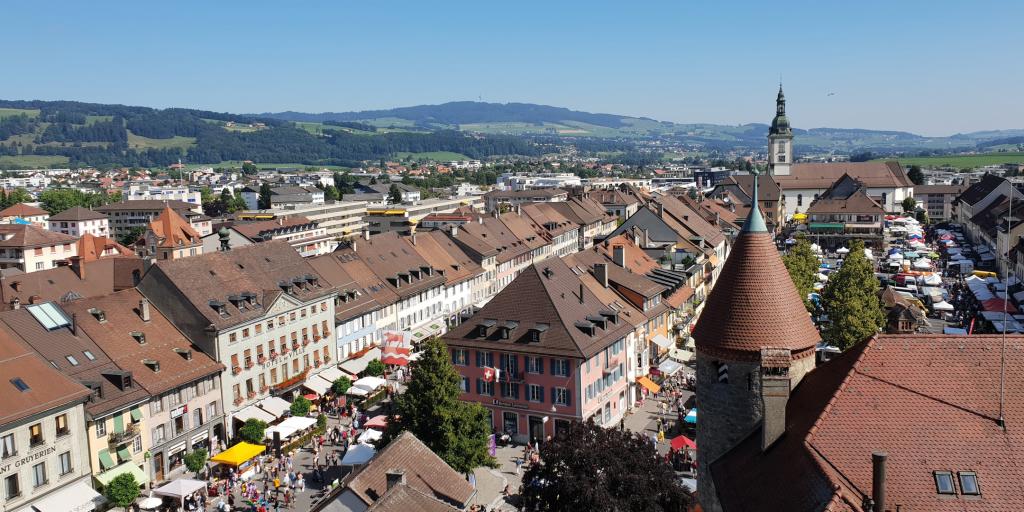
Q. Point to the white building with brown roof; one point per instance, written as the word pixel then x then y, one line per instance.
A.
pixel 78 221
pixel 28 248
pixel 26 212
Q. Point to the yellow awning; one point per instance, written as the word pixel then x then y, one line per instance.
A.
pixel 649 384
pixel 238 454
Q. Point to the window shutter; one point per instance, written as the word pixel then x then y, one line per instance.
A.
pixel 541 388
pixel 568 368
pixel 479 387
pixel 568 399
pixel 540 365
pixel 479 359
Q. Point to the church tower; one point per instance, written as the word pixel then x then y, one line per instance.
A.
pixel 754 341
pixel 780 139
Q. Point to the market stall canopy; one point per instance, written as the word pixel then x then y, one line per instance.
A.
pixel 357 391
pixel 151 503
pixel 942 306
pixel 842 250
pixel 648 384
pixel 180 488
pixel 282 430
pixel 370 435
pixel 331 374
pixel 357 365
pixel 238 454
pixel 933 279
pixel 77 496
pixel 680 442
pixel 998 304
pixel 661 341
pixel 691 417
pixel 299 422
pixel 254 413
pixel 358 454
pixel 669 367
pixel 379 421
pixel 370 384
pixel 275 405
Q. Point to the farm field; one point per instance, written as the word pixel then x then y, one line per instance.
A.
pixel 31 161
pixel 964 161
pixel 8 112
pixel 437 156
pixel 140 142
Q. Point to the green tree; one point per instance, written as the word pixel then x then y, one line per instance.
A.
pixel 133 235
pixel 18 195
pixel 122 490
pixel 56 200
pixel 321 422
pixel 915 175
pixel 331 193
pixel 195 460
pixel 394 194
pixel 341 385
pixel 851 301
pixel 595 468
pixel 249 169
pixel 374 368
pixel 922 216
pixel 802 264
pixel 909 205
pixel 264 201
pixel 254 431
pixel 430 408
pixel 300 406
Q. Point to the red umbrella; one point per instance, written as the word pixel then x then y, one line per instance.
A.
pixel 680 442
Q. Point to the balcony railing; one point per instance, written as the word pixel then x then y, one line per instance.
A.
pixel 131 431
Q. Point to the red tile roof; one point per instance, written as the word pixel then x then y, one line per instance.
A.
pixel 929 401
pixel 754 304
pixel 47 388
pixel 22 210
pixel 25 236
pixel 172 230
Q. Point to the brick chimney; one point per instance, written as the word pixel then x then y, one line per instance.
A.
pixel 78 266
pixel 775 387
pixel 454 230
pixel 601 273
pixel 144 309
pixel 395 477
pixel 619 255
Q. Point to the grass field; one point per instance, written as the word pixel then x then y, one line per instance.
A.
pixel 8 112
pixel 31 161
pixel 964 161
pixel 437 156
pixel 236 164
pixel 139 142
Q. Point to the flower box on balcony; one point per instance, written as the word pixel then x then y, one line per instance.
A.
pixel 316 337
pixel 238 400
pixel 327 332
pixel 327 359
pixel 251 395
pixel 236 370
pixel 263 389
pixel 261 359
pixel 316 363
pixel 284 350
pixel 248 364
pixel 306 342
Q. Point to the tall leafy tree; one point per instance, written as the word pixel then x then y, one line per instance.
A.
pixel 375 368
pixel 909 205
pixel 915 175
pixel 851 301
pixel 594 468
pixel 264 200
pixel 430 408
pixel 56 200
pixel 300 406
pixel 253 431
pixel 18 195
pixel 394 194
pixel 122 490
pixel 802 265
pixel 195 460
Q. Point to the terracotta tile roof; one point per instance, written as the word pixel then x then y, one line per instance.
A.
pixel 172 230
pixel 47 388
pixel 403 498
pixel 857 203
pixel 545 293
pixel 499 237
pixel 613 197
pixel 260 269
pixel 441 253
pixel 939 189
pixel 147 205
pixel 691 220
pixel 768 188
pixel 337 270
pixel 26 236
pixel 395 261
pixel 929 401
pixel 540 192
pixel 55 345
pixel 253 230
pixel 63 284
pixel 92 248
pixel 754 304
pixel 22 210
pixel 638 261
pixel 164 343
pixel 822 175
pixel 76 214
pixel 582 210
pixel 424 472
pixel 547 221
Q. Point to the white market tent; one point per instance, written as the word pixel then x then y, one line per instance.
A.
pixel 275 405
pixel 942 306
pixel 369 383
pixel 358 454
pixel 370 435
pixel 299 422
pixel 318 385
pixel 842 250
pixel 933 280
pixel 923 264
pixel 331 374
pixel 284 431
pixel 253 412
pixel 357 391
pixel 180 488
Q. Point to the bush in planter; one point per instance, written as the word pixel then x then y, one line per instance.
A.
pixel 374 368
pixel 195 460
pixel 300 406
pixel 321 422
pixel 342 385
pixel 122 490
pixel 254 431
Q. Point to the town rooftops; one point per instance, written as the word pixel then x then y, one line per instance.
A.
pixel 754 304
pixel 65 284
pixel 981 189
pixel 27 236
pixel 22 210
pixel 355 298
pixel 442 254
pixel 847 195
pixel 424 471
pixel 256 230
pixel 147 205
pixel 526 194
pixel 876 174
pixel 395 261
pixel 938 189
pixel 92 247
pixel 77 214
pixel 173 231
pixel 931 402
pixel 30 385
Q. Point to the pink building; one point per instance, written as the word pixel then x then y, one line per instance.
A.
pixel 559 350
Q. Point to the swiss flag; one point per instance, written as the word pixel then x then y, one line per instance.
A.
pixel 488 374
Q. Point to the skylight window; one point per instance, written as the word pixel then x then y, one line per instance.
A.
pixel 49 315
pixel 969 483
pixel 88 355
pixel 944 482
pixel 71 359
pixel 20 384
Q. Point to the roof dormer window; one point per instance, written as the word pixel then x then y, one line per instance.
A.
pixel 219 307
pixel 484 326
pixel 98 314
pixel 140 337
pixel 587 327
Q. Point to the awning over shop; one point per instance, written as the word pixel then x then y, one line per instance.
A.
pixel 275 405
pixel 238 454
pixel 669 367
pixel 317 385
pixel 661 341
pixel 76 497
pixel 648 383
pixel 284 431
pixel 136 414
pixel 105 477
pixel 106 461
pixel 691 417
pixel 299 422
pixel 180 488
pixel 124 455
pixel 357 365
pixel 253 412
pixel 434 329
pixel 331 374
pixel 837 226
pixel 370 435
pixel 358 454
pixel 370 384
pixel 942 306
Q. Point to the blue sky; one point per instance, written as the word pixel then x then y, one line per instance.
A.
pixel 934 68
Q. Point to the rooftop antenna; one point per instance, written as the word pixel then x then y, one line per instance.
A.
pixel 1002 350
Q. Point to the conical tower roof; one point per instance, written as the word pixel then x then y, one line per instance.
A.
pixel 754 304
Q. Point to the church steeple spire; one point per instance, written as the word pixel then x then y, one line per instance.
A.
pixel 780 102
pixel 755 221
pixel 780 139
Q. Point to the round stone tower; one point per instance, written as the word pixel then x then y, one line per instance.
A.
pixel 754 309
